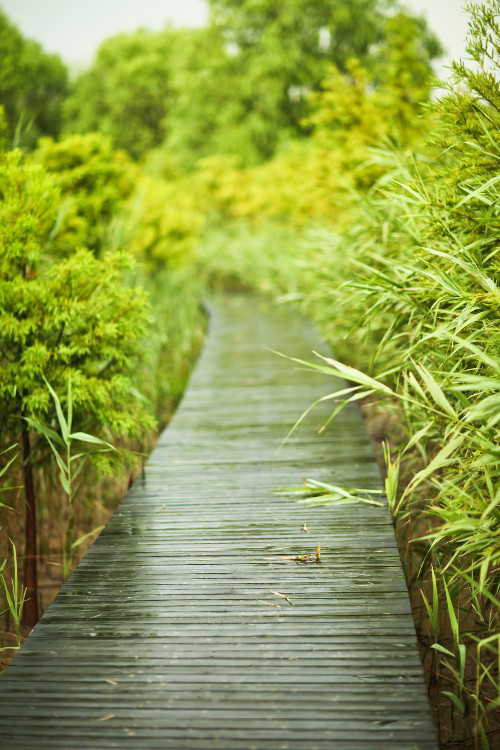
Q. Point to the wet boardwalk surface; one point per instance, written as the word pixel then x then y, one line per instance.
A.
pixel 169 633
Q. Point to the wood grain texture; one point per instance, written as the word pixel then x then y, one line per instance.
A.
pixel 170 634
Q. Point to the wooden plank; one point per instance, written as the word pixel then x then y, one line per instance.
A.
pixel 170 633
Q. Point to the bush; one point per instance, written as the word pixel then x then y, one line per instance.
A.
pixel 95 181
pixel 70 318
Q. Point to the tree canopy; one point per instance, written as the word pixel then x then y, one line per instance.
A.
pixel 33 85
pixel 126 93
pixel 240 86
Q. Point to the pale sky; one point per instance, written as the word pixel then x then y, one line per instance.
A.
pixel 75 28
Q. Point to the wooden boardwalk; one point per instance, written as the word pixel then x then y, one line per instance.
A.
pixel 169 635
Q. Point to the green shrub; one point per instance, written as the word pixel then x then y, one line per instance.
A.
pixel 72 317
pixel 95 181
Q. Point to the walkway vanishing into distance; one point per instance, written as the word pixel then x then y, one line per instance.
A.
pixel 172 633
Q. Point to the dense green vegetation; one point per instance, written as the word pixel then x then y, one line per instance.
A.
pixel 292 148
pixel 33 86
pixel 196 91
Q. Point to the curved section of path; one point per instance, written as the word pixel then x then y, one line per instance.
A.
pixel 174 631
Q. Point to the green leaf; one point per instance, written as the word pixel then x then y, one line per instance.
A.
pixel 417 437
pixel 351 373
pixel 70 403
pixel 46 431
pixel 440 460
pixel 455 700
pixel 63 469
pixel 436 391
pixel 63 425
pixel 83 538
pixel 328 397
pixel 479 353
pixel 86 438
pixel 329 494
pixel 438 647
pixel 76 456
pixel 435 602
pixel 478 193
pixel 462 654
pixel 451 614
pixel 7 466
pixel 484 739
pixel 65 483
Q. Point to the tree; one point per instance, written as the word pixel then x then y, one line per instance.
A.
pixel 402 70
pixel 364 107
pixel 238 87
pixel 69 318
pixel 243 86
pixel 284 48
pixel 33 85
pixel 126 93
pixel 210 112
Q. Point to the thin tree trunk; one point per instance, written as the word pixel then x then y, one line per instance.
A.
pixel 30 611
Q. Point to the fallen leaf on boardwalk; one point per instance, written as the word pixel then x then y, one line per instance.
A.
pixel 305 528
pixel 284 596
pixel 269 604
pixel 318 553
pixel 105 718
pixel 298 558
pixel 111 682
